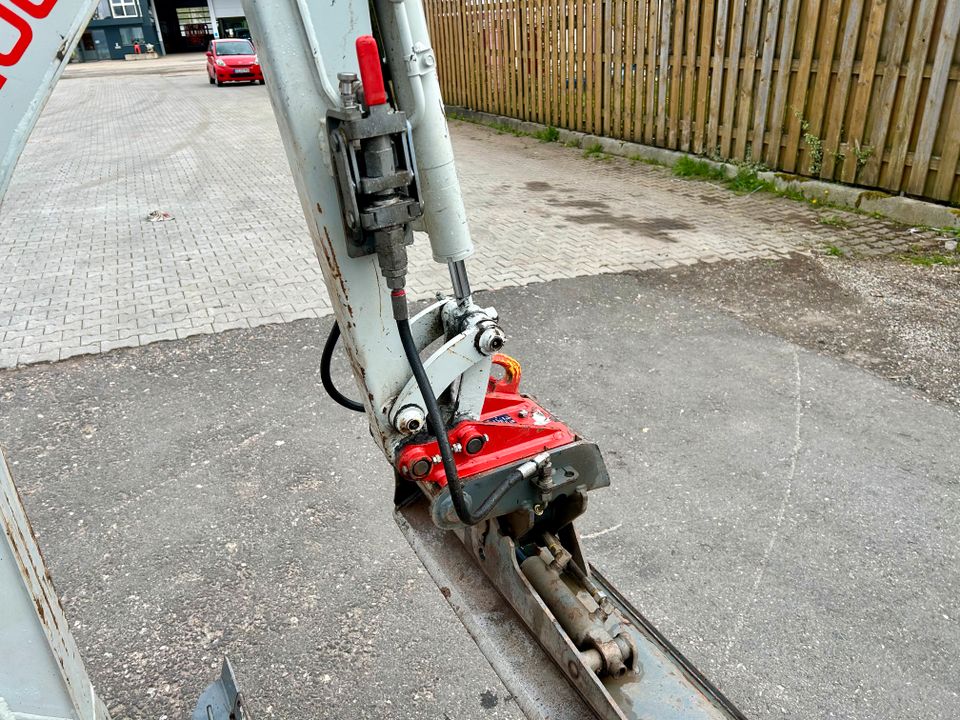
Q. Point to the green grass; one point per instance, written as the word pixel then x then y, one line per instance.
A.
pixel 931 259
pixel 594 151
pixel 504 129
pixel 548 135
pixel 834 251
pixel 834 221
pixel 687 167
pixel 634 159
pixel 747 181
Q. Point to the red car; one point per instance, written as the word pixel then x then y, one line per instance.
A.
pixel 230 60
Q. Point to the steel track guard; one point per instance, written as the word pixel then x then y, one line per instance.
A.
pixel 519 641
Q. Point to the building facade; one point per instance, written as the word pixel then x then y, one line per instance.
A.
pixel 118 28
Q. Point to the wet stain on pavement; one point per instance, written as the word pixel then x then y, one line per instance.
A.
pixel 489 699
pixel 538 186
pixel 653 228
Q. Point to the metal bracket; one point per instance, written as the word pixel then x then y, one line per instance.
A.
pixel 577 467
pixel 222 699
pixel 363 212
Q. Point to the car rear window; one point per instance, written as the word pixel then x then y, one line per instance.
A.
pixel 235 47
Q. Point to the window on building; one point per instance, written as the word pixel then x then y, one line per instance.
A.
pixel 102 11
pixel 131 35
pixel 194 22
pixel 124 8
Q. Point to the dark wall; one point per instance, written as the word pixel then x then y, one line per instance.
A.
pixel 142 28
pixel 170 26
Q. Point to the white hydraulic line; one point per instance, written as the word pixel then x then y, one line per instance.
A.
pixel 333 97
pixel 413 72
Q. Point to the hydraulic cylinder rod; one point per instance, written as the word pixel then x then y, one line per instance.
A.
pixel 414 65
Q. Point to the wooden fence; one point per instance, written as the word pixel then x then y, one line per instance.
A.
pixel 860 91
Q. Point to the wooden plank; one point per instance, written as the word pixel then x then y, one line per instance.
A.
pixel 817 105
pixel 675 91
pixel 930 117
pixel 950 159
pixel 558 61
pixel 864 91
pixel 454 33
pixel 541 38
pixel 529 63
pixel 808 32
pixel 604 53
pixel 891 175
pixel 732 77
pixel 596 55
pixel 639 78
pixel 663 75
pixel 716 80
pixel 502 59
pixel 838 99
pixel 589 48
pixel 789 24
pixel 629 82
pixel 690 75
pixel 703 75
pixel 572 87
pixel 653 45
pixel 765 82
pixel 447 63
pixel 615 72
pixel 747 79
pixel 462 56
pixel 578 77
pixel 882 112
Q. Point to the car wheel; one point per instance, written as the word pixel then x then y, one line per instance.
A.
pixel 261 81
pixel 219 82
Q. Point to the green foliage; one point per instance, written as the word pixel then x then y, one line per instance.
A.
pixel 548 135
pixel 834 251
pixel 505 129
pixel 747 181
pixel 931 259
pixel 634 159
pixel 834 221
pixel 594 151
pixel 687 167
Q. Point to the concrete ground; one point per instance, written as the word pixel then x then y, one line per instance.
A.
pixel 787 518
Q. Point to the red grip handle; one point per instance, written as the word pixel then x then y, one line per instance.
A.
pixel 369 58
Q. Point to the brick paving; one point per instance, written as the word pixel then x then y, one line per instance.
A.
pixel 83 271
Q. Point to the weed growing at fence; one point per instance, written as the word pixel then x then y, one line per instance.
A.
pixel 834 221
pixel 594 151
pixel 687 167
pixel 548 135
pixel 747 181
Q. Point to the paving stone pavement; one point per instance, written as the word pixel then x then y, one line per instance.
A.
pixel 82 270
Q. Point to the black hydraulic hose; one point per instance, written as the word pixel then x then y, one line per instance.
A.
pixel 438 428
pixel 325 357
